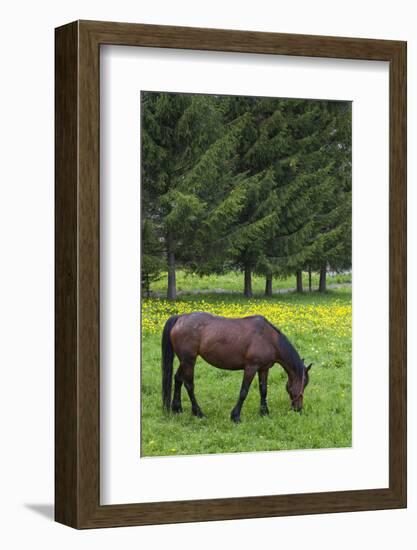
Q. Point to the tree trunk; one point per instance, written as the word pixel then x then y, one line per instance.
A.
pixel 322 283
pixel 268 285
pixel 147 285
pixel 309 280
pixel 172 282
pixel 299 281
pixel 247 291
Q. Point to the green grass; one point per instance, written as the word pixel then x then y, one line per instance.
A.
pixel 324 423
pixel 233 282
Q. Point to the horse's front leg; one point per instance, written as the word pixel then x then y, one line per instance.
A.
pixel 248 375
pixel 263 388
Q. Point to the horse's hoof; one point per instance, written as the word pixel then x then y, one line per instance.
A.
pixel 264 412
pixel 235 418
pixel 176 409
pixel 198 414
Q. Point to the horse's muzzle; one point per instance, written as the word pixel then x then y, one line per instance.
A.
pixel 297 406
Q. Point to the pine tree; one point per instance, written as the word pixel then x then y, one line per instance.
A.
pixel 263 139
pixel 177 129
pixel 315 218
pixel 256 184
pixel 333 220
pixel 280 207
pixel 151 256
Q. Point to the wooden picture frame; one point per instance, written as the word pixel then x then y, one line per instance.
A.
pixel 77 359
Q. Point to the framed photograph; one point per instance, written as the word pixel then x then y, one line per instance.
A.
pixel 230 274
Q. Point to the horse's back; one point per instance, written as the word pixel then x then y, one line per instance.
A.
pixel 194 322
pixel 207 325
pixel 224 342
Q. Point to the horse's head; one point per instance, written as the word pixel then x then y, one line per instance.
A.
pixel 295 388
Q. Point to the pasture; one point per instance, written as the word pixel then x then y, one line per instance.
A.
pixel 231 282
pixel 319 326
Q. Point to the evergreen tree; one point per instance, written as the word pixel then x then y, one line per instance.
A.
pixel 257 184
pixel 277 132
pixel 333 212
pixel 315 204
pixel 151 256
pixel 263 141
pixel 177 129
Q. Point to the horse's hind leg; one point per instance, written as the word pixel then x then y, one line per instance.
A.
pixel 248 375
pixel 176 406
pixel 263 387
pixel 188 379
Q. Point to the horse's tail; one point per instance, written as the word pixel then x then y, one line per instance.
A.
pixel 167 362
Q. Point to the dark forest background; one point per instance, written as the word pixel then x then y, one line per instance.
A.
pixel 250 184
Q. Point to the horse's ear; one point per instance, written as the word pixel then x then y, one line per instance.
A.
pixel 309 366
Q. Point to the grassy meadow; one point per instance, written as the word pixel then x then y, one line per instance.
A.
pixel 318 324
pixel 232 282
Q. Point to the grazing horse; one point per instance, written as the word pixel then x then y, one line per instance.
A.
pixel 251 344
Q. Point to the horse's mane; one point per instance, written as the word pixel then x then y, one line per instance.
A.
pixel 289 351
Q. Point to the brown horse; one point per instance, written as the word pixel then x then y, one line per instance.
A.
pixel 251 344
